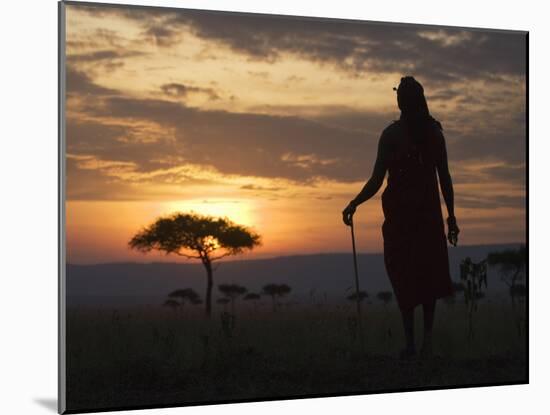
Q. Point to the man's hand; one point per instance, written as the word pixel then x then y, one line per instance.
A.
pixel 453 230
pixel 348 212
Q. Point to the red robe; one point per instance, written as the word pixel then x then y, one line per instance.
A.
pixel 415 246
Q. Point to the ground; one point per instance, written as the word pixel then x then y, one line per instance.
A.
pixel 149 356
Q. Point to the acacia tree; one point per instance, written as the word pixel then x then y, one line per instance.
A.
pixel 173 304
pixel 276 291
pixel 232 291
pixel 186 294
pixel 385 297
pixel 512 266
pixel 358 296
pixel 252 297
pixel 198 237
pixel 474 276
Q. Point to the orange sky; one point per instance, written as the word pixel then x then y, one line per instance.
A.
pixel 274 123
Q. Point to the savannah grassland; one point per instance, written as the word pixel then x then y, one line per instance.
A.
pixel 148 356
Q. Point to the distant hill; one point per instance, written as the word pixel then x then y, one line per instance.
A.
pixel 322 276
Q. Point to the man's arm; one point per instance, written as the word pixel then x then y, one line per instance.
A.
pixel 377 177
pixel 445 180
pixel 446 184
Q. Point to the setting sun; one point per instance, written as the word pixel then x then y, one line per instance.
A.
pixel 240 211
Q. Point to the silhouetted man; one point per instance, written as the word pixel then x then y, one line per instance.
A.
pixel 412 150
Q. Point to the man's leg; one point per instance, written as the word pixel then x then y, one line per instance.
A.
pixel 408 325
pixel 429 313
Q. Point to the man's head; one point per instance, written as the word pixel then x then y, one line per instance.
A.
pixel 410 97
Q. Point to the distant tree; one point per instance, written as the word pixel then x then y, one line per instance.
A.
pixel 473 276
pixel 361 295
pixel 385 297
pixel 251 297
pixel 199 237
pixel 186 295
pixel 232 291
pixel 512 267
pixel 276 291
pixel 254 298
pixel 173 304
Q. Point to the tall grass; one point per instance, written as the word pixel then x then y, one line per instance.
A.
pixel 150 355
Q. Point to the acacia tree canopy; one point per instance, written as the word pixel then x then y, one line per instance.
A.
pixel 232 290
pixel 195 236
pixel 360 296
pixel 385 296
pixel 276 289
pixel 511 262
pixel 186 294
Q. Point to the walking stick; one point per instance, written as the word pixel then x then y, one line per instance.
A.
pixel 357 298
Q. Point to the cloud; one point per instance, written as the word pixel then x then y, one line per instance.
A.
pixel 147 145
pixel 364 47
pixel 109 167
pixel 98 39
pixel 259 74
pixel 514 174
pixel 478 74
pixel 241 143
pixel 102 55
pixel 79 83
pixel 162 35
pixel 261 188
pixel 295 79
pixel 339 146
pixel 444 38
pixel 307 161
pixel 180 90
pixel 92 178
pixel 489 202
pixel 505 144
pixel 357 47
pixel 107 60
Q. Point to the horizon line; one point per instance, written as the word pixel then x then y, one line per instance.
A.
pixel 241 259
